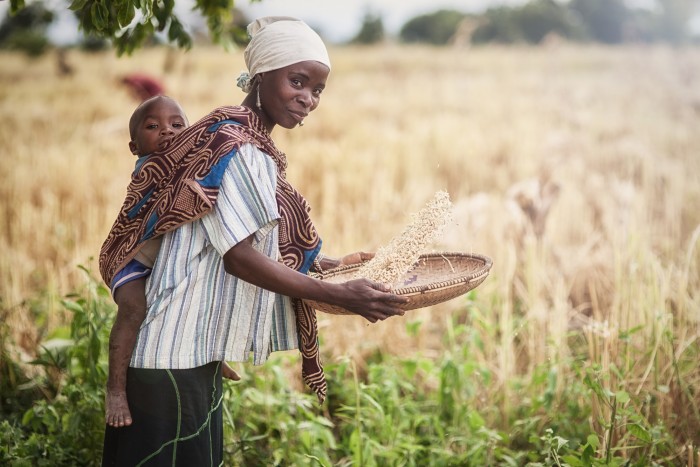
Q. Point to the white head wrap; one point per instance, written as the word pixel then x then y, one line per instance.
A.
pixel 277 42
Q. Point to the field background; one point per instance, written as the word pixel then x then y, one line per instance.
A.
pixel 575 168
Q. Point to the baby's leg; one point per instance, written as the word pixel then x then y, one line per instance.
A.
pixel 131 311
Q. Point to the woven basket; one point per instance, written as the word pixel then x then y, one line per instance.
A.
pixel 435 278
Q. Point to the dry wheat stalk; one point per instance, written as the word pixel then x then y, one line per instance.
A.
pixel 396 258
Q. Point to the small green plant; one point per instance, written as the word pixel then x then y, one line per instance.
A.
pixel 625 422
pixel 66 426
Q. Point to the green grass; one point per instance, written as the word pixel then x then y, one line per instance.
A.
pixel 442 410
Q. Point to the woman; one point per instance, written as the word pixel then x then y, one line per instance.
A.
pixel 237 244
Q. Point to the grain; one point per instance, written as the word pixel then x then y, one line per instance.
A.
pixel 395 259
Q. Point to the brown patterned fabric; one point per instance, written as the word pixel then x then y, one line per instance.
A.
pixel 180 184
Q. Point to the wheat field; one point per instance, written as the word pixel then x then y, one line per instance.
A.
pixel 575 168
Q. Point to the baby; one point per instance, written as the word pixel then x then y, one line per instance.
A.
pixel 153 125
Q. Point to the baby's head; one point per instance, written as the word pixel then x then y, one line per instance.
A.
pixel 154 123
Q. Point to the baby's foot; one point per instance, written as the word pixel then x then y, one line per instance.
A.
pixel 117 409
pixel 228 372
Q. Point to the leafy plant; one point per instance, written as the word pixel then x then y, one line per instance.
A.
pixel 130 24
pixel 415 411
pixel 66 426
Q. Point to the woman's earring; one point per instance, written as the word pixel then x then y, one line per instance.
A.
pixel 301 123
pixel 257 101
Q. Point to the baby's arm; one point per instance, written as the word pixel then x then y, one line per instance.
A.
pixel 131 311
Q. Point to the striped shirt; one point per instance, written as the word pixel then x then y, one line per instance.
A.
pixel 197 313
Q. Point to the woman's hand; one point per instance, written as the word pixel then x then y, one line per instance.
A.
pixel 356 258
pixel 371 300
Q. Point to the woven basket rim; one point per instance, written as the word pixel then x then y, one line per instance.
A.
pixel 423 295
pixel 468 277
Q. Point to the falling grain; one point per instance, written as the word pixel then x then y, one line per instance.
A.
pixel 396 258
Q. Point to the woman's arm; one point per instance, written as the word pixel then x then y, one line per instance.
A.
pixel 368 299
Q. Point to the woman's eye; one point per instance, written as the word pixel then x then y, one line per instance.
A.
pixel 317 92
pixel 296 82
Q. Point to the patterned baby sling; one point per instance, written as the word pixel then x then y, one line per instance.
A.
pixel 180 184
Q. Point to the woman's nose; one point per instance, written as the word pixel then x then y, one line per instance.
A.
pixel 306 99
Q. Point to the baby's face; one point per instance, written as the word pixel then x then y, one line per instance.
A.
pixel 160 121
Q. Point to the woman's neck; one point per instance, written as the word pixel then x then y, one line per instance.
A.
pixel 249 102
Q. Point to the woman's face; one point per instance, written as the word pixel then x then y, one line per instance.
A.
pixel 289 94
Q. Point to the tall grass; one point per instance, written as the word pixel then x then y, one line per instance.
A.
pixel 575 168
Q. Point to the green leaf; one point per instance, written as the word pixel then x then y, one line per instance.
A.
pixel 355 444
pixel 72 306
pixel 78 5
pixel 373 402
pixel 126 14
pixel 561 442
pixel 27 417
pixel 410 367
pixel 476 421
pixel 60 332
pixel 573 461
pixel 593 441
pixel 16 5
pixel 57 344
pixel 622 397
pixel 162 15
pixel 625 335
pixel 639 432
pixel 595 386
pixel 99 15
pixel 587 454
pixel 146 7
pixel 177 33
pixel 175 30
pixel 95 347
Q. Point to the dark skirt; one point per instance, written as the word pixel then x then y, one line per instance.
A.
pixel 177 419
